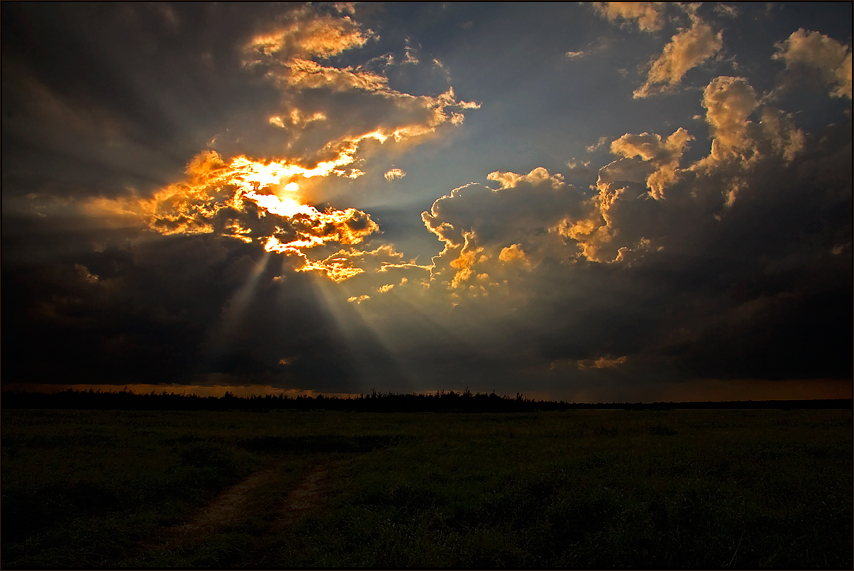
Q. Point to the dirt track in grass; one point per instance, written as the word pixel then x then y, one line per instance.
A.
pixel 308 496
pixel 237 504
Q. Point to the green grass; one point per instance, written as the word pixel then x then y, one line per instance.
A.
pixel 584 489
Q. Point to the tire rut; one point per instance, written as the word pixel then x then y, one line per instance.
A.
pixel 233 507
pixel 311 492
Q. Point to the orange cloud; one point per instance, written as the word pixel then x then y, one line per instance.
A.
pixel 601 363
pixel 686 50
pixel 813 49
pixel 394 174
pixel 489 235
pixel 663 155
pixel 514 253
pixel 729 101
pixel 346 264
pixel 306 33
pixel 253 201
pixel 264 202
pixel 647 15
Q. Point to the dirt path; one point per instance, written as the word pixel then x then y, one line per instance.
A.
pixel 235 505
pixel 311 492
pixel 228 508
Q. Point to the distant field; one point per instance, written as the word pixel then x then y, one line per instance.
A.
pixel 585 489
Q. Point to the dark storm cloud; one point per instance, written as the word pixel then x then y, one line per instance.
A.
pixel 713 249
pixel 730 298
pixel 130 89
pixel 175 309
pixel 104 105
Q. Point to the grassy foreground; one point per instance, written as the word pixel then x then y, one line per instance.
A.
pixel 585 489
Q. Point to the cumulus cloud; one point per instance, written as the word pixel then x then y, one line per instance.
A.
pixel 729 101
pixel 598 144
pixel 686 50
pixel 345 264
pixel 267 202
pixel 394 174
pixel 254 266
pixel 832 59
pixel 247 199
pixel 485 230
pixel 664 155
pixel 304 32
pixel 649 16
pixel 294 55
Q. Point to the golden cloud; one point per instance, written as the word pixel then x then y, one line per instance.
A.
pixel 491 235
pixel 729 101
pixel 686 50
pixel 600 363
pixel 664 155
pixel 257 201
pixel 345 264
pixel 813 49
pixel 264 201
pixel 306 33
pixel 514 253
pixel 649 16
pixel 394 174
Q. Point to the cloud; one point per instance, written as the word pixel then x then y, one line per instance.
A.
pixel 263 263
pixel 247 199
pixel 726 10
pixel 598 144
pixel 294 56
pixel 394 174
pixel 649 16
pixel 663 155
pixel 729 101
pixel 305 33
pixel 266 203
pixel 686 50
pixel 483 229
pixel 579 168
pixel 832 59
pixel 600 363
pixel 513 253
pixel 575 55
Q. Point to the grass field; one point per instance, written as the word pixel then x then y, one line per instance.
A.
pixel 585 489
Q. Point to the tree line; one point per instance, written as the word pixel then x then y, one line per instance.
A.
pixel 440 401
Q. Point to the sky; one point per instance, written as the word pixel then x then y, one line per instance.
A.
pixel 576 201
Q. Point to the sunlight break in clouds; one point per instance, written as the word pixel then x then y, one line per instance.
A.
pixel 260 200
pixel 224 205
pixel 218 195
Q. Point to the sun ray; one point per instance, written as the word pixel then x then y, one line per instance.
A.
pixel 233 313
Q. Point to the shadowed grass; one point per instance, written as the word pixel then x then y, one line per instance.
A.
pixel 584 489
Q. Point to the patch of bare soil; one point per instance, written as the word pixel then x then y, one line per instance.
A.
pixel 234 506
pixel 311 492
pixel 307 497
pixel 228 508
